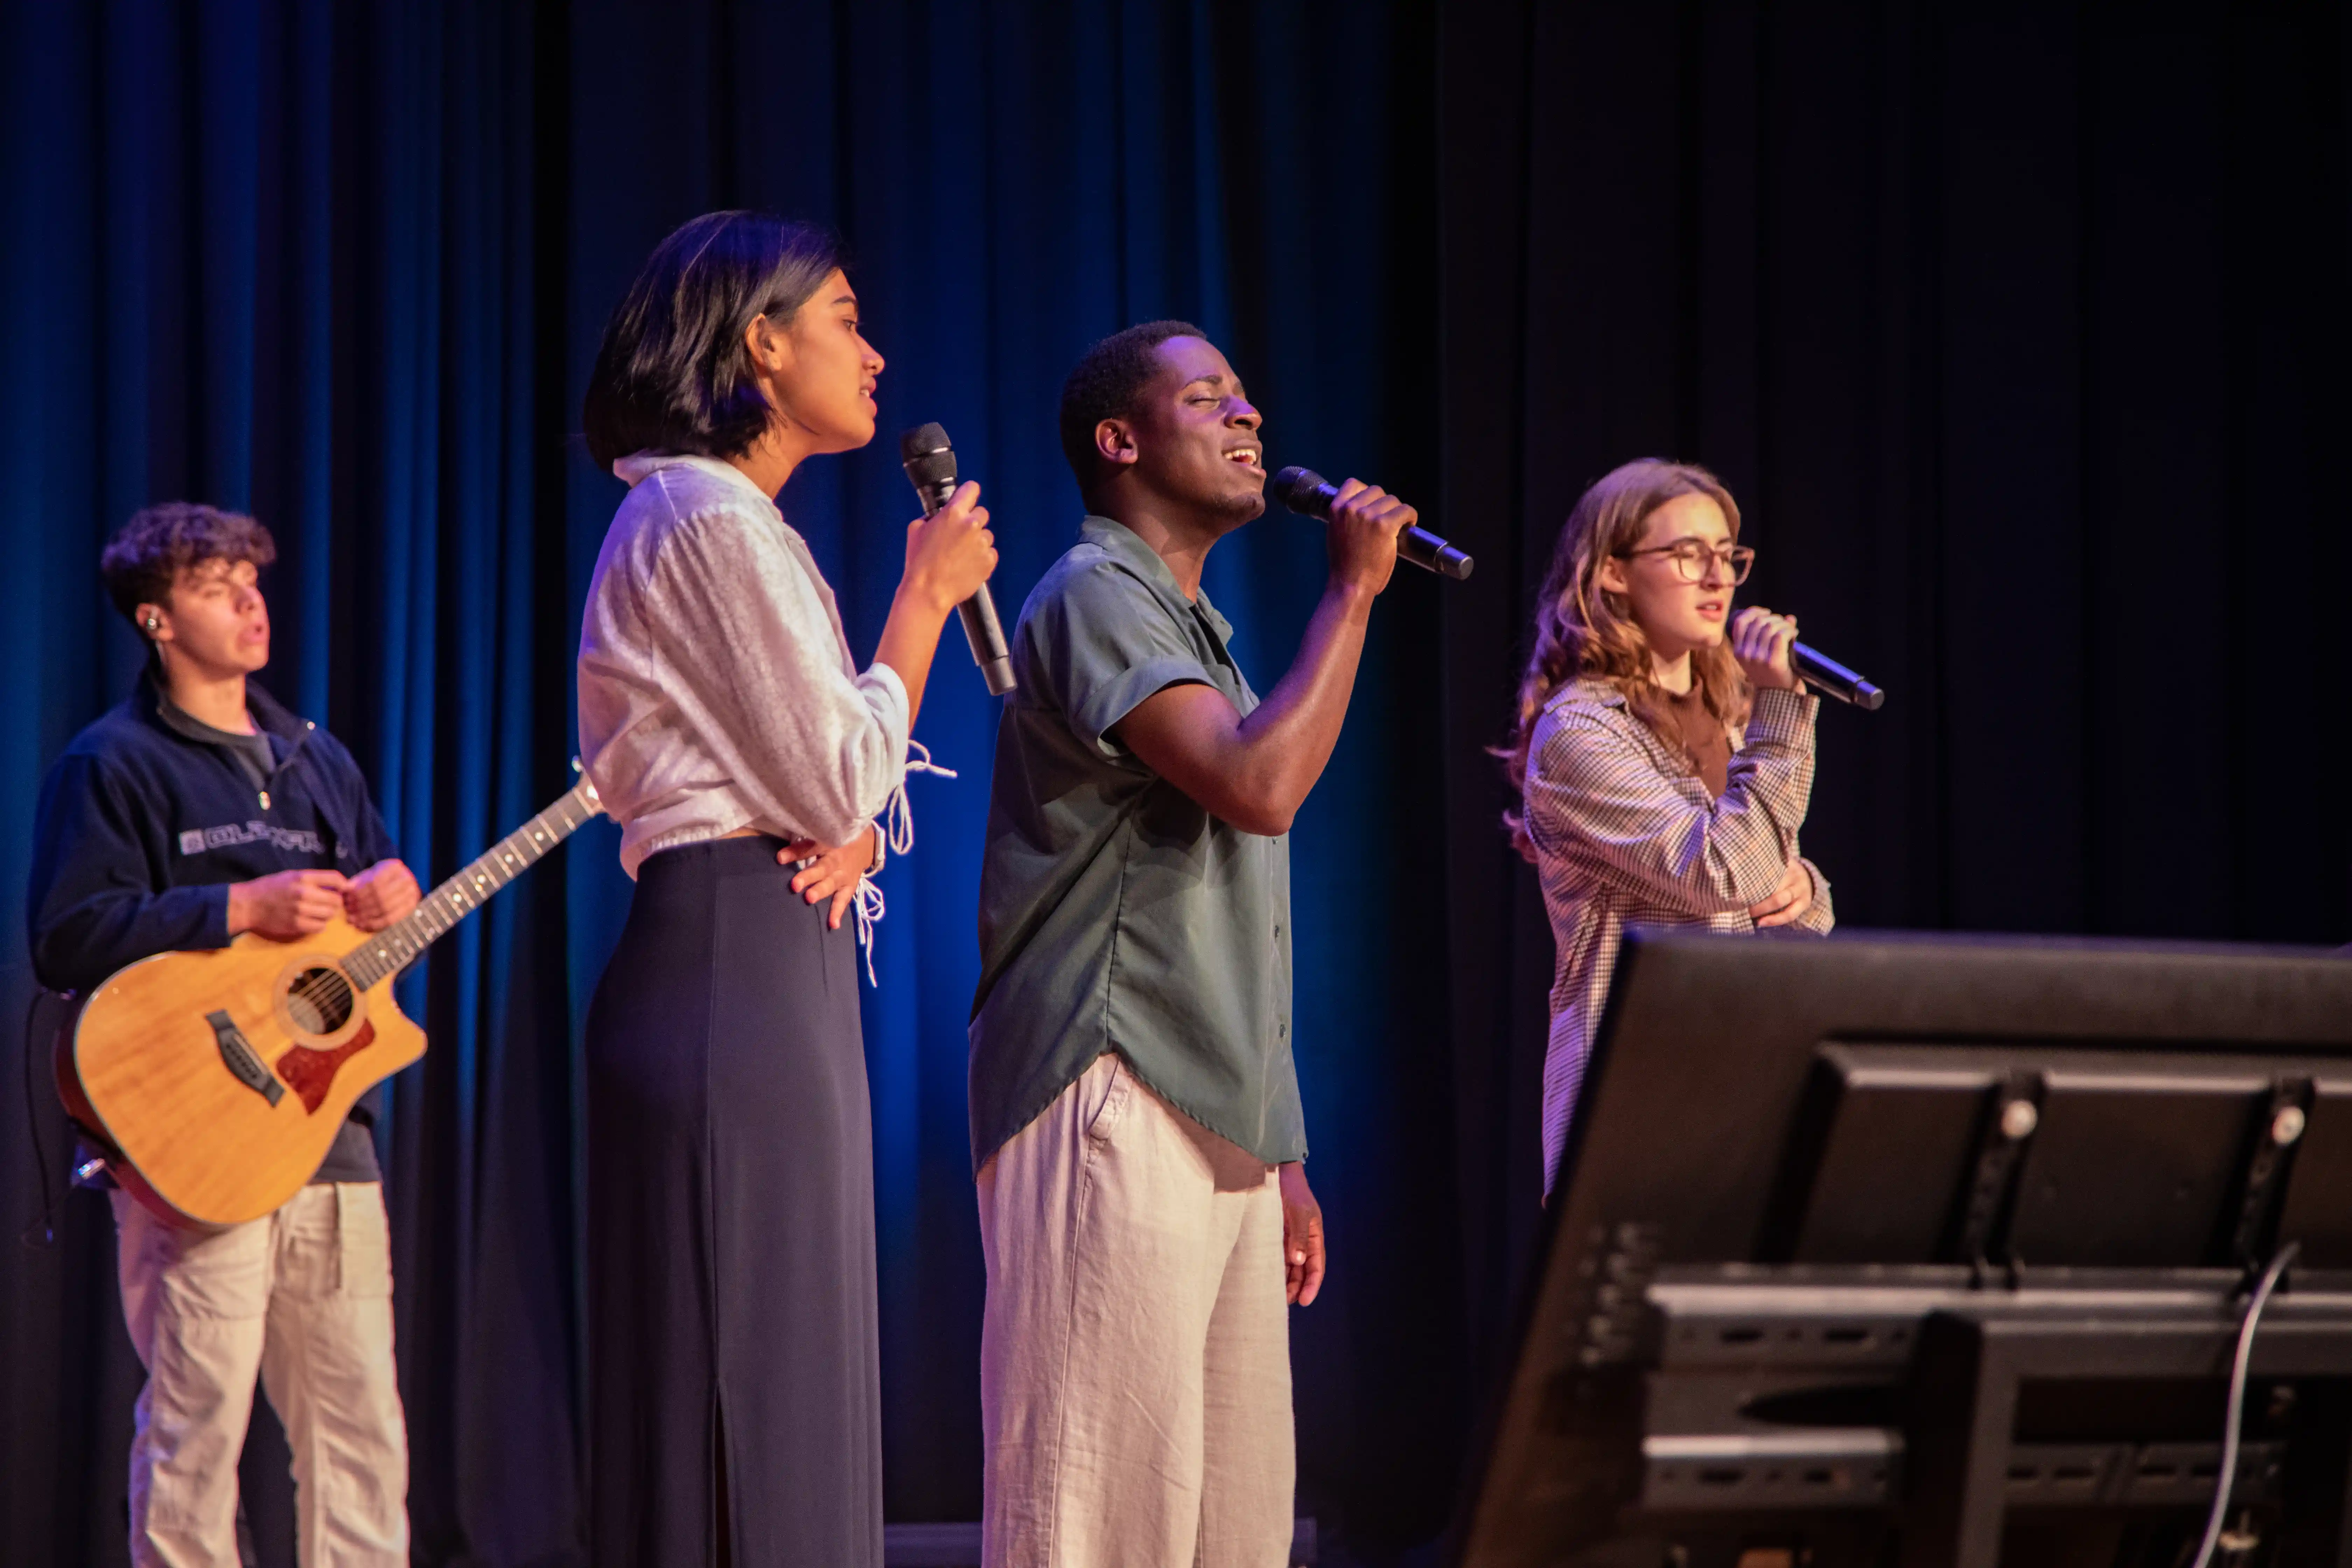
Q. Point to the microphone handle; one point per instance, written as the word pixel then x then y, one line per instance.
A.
pixel 1430 553
pixel 981 629
pixel 1831 678
pixel 1416 544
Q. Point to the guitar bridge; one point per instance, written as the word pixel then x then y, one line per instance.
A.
pixel 238 1056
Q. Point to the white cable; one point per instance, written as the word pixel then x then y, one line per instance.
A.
pixel 2237 1416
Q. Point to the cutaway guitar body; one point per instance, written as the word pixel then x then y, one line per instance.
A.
pixel 216 1082
pixel 222 1078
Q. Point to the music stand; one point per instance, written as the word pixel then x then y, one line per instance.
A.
pixel 1867 1251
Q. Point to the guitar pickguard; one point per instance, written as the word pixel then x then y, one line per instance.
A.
pixel 312 1072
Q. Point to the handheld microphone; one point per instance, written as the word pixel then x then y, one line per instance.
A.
pixel 1308 493
pixel 1831 678
pixel 930 466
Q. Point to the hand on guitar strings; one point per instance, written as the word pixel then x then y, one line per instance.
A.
pixel 380 895
pixel 288 905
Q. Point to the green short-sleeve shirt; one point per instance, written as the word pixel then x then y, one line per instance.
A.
pixel 1114 913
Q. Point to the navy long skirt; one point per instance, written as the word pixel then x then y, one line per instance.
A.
pixel 732 1357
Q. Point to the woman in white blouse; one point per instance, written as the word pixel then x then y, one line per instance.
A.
pixel 733 1378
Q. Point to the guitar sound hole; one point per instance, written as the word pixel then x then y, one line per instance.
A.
pixel 319 1001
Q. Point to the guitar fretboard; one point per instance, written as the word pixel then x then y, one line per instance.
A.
pixel 392 949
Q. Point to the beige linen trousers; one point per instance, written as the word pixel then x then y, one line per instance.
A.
pixel 1135 1351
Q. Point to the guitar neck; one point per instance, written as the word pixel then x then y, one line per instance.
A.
pixel 394 948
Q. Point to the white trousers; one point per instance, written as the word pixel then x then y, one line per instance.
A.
pixel 303 1298
pixel 1135 1352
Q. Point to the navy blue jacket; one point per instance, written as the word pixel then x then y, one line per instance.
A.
pixel 141 828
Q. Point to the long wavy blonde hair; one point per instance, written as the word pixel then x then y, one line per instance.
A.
pixel 1585 630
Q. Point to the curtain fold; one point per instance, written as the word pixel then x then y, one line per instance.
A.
pixel 2016 333
pixel 284 257
pixel 346 266
pixel 2014 328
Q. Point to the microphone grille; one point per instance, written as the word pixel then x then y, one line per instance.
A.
pixel 1294 485
pixel 923 440
pixel 927 456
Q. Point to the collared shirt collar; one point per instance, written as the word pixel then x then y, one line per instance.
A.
pixel 637 467
pixel 269 715
pixel 1125 544
pixel 179 719
pixel 1594 690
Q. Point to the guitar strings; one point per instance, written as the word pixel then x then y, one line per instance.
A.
pixel 328 994
pixel 445 905
pixel 320 983
pixel 329 1013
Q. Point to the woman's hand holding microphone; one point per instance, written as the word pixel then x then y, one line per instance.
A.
pixel 1760 641
pixel 948 556
pixel 949 553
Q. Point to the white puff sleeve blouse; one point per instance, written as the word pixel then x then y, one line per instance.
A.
pixel 717 690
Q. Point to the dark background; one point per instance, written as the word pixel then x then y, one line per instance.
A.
pixel 2018 330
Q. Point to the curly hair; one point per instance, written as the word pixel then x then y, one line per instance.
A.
pixel 672 373
pixel 1583 630
pixel 148 554
pixel 1104 384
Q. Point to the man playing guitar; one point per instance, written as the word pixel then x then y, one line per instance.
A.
pixel 197 809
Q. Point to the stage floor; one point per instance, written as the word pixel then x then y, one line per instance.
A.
pixel 958 1545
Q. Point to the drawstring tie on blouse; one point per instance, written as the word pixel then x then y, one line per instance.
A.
pixel 897 827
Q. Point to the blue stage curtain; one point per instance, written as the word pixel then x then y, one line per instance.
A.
pixel 1016 182
pixel 287 259
pixel 345 265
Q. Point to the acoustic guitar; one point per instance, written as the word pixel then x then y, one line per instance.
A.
pixel 215 1082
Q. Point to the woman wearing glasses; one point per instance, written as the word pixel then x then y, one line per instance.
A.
pixel 1663 751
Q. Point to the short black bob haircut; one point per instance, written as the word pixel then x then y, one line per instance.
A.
pixel 672 373
pixel 1104 386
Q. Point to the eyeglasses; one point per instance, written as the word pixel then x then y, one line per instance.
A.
pixel 1691 558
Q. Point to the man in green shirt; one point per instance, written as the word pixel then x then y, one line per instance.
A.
pixel 1134 1118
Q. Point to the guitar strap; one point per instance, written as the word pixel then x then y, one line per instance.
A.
pixel 66 1008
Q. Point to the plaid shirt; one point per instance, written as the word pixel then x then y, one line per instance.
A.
pixel 1625 834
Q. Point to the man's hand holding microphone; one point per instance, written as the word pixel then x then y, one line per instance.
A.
pixel 1361 536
